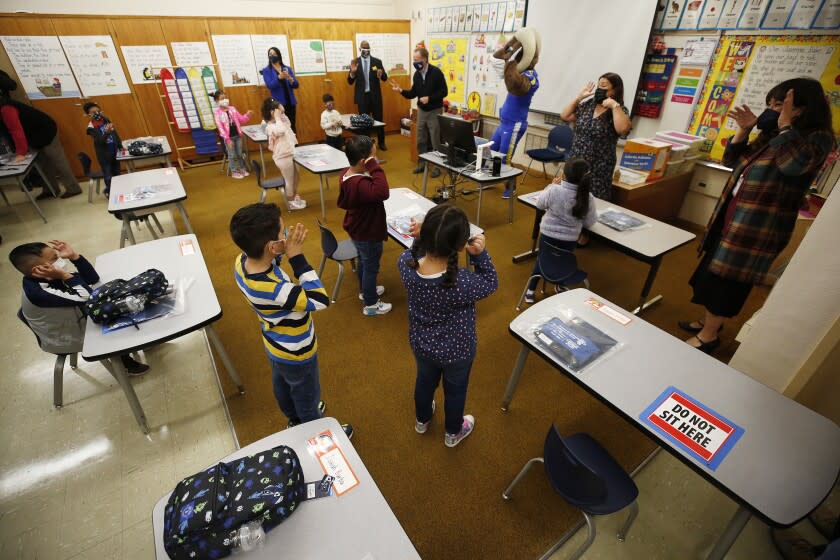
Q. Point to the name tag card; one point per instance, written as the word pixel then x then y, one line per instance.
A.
pixel 693 427
pixel 333 461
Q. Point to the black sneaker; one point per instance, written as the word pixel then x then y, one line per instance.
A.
pixel 133 367
pixel 419 169
pixel 348 430
pixel 322 406
pixel 382 148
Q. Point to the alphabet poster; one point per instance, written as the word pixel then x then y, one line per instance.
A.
pixel 236 60
pixel 145 62
pixel 41 66
pixel 95 63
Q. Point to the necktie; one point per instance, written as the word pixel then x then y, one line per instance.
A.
pixel 366 67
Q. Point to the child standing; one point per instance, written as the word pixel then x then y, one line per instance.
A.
pixel 569 207
pixel 441 313
pixel 331 123
pixel 282 141
pixel 229 124
pixel 363 192
pixel 283 307
pixel 106 142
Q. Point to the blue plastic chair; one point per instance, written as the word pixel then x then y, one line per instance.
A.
pixel 265 184
pixel 338 252
pixel 558 266
pixel 559 143
pixel 586 476
pixel 94 177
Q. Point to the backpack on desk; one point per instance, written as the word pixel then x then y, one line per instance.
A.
pixel 106 302
pixel 204 509
pixel 361 121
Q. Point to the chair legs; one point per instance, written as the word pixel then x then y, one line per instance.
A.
pixel 634 511
pixel 522 297
pixel 524 175
pixel 149 226
pixel 323 264
pixel 58 379
pixel 522 473
pixel 338 282
pixel 157 222
pixel 74 360
pixel 90 191
pixel 263 194
pixel 590 538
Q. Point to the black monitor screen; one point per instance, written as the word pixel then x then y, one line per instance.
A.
pixel 456 140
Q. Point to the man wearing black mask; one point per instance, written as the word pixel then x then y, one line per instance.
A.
pixel 430 89
pixel 368 95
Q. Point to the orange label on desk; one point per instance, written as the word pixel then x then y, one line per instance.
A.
pixel 333 461
pixel 169 171
pixel 187 247
pixel 609 312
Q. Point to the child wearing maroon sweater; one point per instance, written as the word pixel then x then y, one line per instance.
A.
pixel 363 191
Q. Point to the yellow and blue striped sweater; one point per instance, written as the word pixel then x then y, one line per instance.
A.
pixel 284 307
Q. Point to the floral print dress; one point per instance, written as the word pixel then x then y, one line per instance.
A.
pixel 594 141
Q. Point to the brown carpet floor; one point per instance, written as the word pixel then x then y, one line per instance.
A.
pixel 448 500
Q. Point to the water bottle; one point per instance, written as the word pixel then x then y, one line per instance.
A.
pixel 131 304
pixel 248 537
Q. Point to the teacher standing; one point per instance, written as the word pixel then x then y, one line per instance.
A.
pixel 281 82
pixel 367 94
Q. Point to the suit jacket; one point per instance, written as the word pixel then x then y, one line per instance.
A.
pixel 359 80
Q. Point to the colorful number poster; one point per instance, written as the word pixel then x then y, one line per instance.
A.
pixel 95 64
pixel 192 53
pixel 656 75
pixel 450 55
pixel 828 16
pixel 673 12
pixel 392 48
pixel 144 62
pixel 510 12
pixel 731 14
pixel 236 60
pixel 41 66
pixel 339 54
pixel 804 13
pixel 702 433
pixel 712 11
pixel 691 14
pixel 519 18
pixel 778 12
pixel 309 57
pixel 260 45
pixel 753 14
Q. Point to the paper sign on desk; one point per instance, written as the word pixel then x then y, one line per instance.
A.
pixel 609 311
pixel 316 162
pixel 693 427
pixel 333 461
pixel 187 247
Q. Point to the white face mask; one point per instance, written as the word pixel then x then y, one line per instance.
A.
pixel 60 264
pixel 498 66
pixel 224 102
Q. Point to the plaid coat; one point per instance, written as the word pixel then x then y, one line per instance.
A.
pixel 777 169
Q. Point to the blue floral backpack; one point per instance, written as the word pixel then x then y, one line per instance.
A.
pixel 207 507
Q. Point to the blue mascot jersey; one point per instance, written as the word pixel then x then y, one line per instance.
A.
pixel 516 107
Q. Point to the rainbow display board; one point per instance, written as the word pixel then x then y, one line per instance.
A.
pixel 202 98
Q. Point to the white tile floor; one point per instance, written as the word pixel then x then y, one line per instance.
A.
pixel 80 482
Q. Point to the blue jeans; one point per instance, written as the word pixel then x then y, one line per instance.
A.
pixel 110 168
pixel 456 376
pixel 297 389
pixel 370 252
pixel 236 158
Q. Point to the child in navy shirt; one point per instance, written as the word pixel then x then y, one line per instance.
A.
pixel 441 313
pixel 106 142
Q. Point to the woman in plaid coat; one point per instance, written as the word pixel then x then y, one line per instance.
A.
pixel 756 213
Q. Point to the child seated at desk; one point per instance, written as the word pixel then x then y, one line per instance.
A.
pixel 331 123
pixel 569 207
pixel 283 307
pixel 53 299
pixel 229 124
pixel 282 142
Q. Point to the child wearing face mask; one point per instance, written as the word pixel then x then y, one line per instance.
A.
pixel 52 303
pixel 331 123
pixel 106 142
pixel 282 142
pixel 229 124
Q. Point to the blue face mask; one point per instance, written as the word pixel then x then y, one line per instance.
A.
pixel 418 66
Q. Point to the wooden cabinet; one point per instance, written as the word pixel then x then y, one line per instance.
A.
pixel 660 199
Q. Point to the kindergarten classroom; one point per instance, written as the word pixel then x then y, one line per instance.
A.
pixel 93 455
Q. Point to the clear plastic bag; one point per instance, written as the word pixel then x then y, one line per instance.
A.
pixel 574 342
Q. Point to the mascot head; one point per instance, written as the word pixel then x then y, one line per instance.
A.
pixel 523 48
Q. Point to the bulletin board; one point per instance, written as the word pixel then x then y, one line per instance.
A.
pixel 745 68
pixel 450 55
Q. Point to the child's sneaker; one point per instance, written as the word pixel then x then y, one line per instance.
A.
pixel 466 429
pixel 322 406
pixel 245 173
pixel 348 430
pixel 507 194
pixel 530 297
pixel 378 308
pixel 297 204
pixel 379 291
pixel 421 427
pixel 237 175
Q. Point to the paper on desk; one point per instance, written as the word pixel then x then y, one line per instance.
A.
pixel 147 191
pixel 620 221
pixel 316 162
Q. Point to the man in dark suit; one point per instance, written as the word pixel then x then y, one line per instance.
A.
pixel 366 72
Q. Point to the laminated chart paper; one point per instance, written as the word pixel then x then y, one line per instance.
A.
pixel 96 64
pixel 260 45
pixel 235 57
pixel 339 54
pixel 392 48
pixel 309 57
pixel 41 66
pixel 145 62
pixel 192 53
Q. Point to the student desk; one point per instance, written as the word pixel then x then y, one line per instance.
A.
pixel 256 134
pixel 358 525
pixel 179 258
pixel 20 171
pixel 483 179
pixel 163 157
pixel 168 192
pixel 404 201
pixel 321 160
pixel 781 468
pixel 648 243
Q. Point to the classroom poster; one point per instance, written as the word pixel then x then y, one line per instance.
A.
pixel 450 55
pixel 698 52
pixel 41 66
pixel 778 12
pixel 462 19
pixel 338 54
pixel 95 64
pixel 485 17
pixel 260 45
pixel 392 48
pixel 688 82
pixel 752 15
pixel 828 16
pixel 145 61
pixel 493 21
pixel 440 20
pixel 731 14
pixel 430 19
pixel 673 12
pixel 519 17
pixel 712 11
pixel 192 53
pixel 482 76
pixel 661 10
pixel 691 14
pixel 804 13
pixel 656 75
pixel 510 11
pixel 309 57
pixel 476 17
pixel 447 28
pixel 236 60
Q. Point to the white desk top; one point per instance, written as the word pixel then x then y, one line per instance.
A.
pixel 201 305
pixel 345 122
pixel 10 168
pixel 404 202
pixel 788 457
pixel 358 525
pixel 255 133
pixel 165 181
pixel 123 155
pixel 320 158
pixel 479 177
pixel 652 240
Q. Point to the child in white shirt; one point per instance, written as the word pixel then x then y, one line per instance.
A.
pixel 331 123
pixel 281 142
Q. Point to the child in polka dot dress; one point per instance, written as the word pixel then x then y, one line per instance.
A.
pixel 441 313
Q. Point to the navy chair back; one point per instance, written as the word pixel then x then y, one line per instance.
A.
pixel 560 138
pixel 571 478
pixel 84 159
pixel 329 243
pixel 257 171
pixel 557 262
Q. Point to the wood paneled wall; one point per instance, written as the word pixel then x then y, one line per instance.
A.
pixel 140 113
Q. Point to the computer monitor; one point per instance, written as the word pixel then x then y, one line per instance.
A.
pixel 456 140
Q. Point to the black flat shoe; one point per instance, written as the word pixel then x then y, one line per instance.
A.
pixel 382 147
pixel 686 326
pixel 707 347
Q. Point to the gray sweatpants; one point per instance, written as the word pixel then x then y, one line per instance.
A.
pixel 55 164
pixel 427 125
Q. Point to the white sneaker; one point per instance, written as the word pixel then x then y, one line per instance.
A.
pixel 421 427
pixel 466 429
pixel 379 291
pixel 237 175
pixel 378 308
pixel 297 204
pixel 530 297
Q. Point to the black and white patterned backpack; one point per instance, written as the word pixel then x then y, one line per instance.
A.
pixel 107 302
pixel 361 121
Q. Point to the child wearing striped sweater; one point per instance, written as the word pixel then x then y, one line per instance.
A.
pixel 283 306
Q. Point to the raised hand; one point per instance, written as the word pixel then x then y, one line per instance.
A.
pixel 354 65
pixel 64 250
pixel 49 272
pixel 414 228
pixel 394 85
pixel 476 244
pixel 744 116
pixel 786 114
pixel 587 89
pixel 295 239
